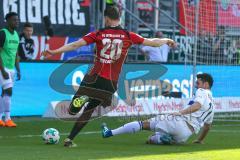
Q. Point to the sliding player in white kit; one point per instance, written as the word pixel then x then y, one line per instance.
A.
pixel 177 127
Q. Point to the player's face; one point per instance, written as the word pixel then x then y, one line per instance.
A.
pixel 28 31
pixel 13 22
pixel 199 83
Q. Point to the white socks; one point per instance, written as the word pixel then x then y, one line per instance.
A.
pixel 131 127
pixel 7 116
pixel 1 107
pixel 6 103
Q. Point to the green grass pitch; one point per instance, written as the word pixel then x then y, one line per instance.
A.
pixel 25 143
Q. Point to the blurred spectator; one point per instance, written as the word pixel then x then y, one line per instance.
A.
pixel 156 54
pixel 231 53
pixel 219 46
pixel 26 46
pixel 202 47
pixel 238 51
pixel 209 50
pixel 237 55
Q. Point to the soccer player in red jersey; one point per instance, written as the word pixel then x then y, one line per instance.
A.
pixel 98 86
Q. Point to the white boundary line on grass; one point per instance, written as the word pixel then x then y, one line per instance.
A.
pixel 62 134
pixel 227 125
pixel 98 132
pixel 225 131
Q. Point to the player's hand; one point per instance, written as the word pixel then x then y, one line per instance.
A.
pixel 171 43
pixel 18 76
pixel 47 53
pixel 197 141
pixel 5 74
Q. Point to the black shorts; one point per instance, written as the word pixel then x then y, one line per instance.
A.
pixel 96 87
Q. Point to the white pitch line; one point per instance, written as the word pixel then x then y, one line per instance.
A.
pixel 225 131
pixel 227 125
pixel 62 134
pixel 98 132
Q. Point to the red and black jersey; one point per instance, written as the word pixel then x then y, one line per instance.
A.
pixel 112 46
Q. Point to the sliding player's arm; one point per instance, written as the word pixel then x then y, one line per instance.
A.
pixel 193 108
pixel 205 129
pixel 195 105
pixel 156 42
pixel 66 48
pixel 203 133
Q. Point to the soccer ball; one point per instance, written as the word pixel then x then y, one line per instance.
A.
pixel 51 136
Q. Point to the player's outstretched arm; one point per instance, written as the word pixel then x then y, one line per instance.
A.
pixel 203 134
pixel 156 42
pixel 193 108
pixel 65 48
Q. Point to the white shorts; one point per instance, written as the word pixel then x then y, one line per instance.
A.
pixel 172 125
pixel 7 83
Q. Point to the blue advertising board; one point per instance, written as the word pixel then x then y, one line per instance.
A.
pixel 32 94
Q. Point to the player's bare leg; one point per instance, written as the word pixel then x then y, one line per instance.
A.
pixel 81 122
pixel 137 126
pixel 6 98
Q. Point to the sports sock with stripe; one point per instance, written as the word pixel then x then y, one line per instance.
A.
pixel 131 127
